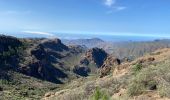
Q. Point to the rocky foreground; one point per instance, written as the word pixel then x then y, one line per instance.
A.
pixel 146 78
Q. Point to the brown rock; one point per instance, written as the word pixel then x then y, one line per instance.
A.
pixel 97 56
pixel 49 94
pixel 109 63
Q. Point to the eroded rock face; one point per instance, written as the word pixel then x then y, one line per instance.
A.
pixel 9 51
pixel 43 70
pixel 8 41
pixel 54 44
pixel 103 63
pixel 45 55
pixel 84 61
pixel 109 63
pixel 91 62
pixel 97 56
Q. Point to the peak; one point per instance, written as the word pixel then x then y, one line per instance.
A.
pixel 55 40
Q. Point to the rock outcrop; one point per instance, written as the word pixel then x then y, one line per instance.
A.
pixel 97 56
pixel 109 63
pixel 7 42
pixel 54 44
pixel 98 60
pixel 90 62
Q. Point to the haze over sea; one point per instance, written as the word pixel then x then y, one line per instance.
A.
pixel 105 37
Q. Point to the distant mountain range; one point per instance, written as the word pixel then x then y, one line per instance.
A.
pixel 127 49
pixel 90 43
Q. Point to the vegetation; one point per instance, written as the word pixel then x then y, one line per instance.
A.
pixel 152 78
pixel 36 60
pixel 21 87
pixel 99 95
pixel 136 68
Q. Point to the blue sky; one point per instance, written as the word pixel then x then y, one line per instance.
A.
pixel 150 18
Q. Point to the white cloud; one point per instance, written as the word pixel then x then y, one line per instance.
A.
pixel 109 3
pixel 115 9
pixel 38 33
pixel 119 8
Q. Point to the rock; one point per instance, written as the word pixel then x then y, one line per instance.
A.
pixel 54 44
pixel 81 70
pixel 84 61
pixel 109 63
pixel 1 89
pixel 146 60
pixel 49 94
pixel 153 87
pixel 97 56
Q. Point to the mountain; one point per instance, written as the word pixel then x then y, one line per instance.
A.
pixel 146 78
pixel 90 43
pixel 129 49
pixel 31 68
pixel 26 62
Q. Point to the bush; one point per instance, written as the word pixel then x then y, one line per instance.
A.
pixel 99 95
pixel 136 68
pixel 164 90
pixel 142 82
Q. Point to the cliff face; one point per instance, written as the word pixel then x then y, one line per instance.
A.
pixel 54 44
pixel 96 60
pixel 97 56
pixel 108 65
pixel 10 49
pixel 40 58
pixel 51 60
pixel 7 42
pixel 46 60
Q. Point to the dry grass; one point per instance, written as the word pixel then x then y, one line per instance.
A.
pixel 124 84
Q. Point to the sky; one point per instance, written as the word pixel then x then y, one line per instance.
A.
pixel 145 18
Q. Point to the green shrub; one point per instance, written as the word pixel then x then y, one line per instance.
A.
pixel 142 82
pixel 4 81
pixel 99 95
pixel 135 88
pixel 136 68
pixel 164 90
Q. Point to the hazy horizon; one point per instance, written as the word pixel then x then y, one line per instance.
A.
pixel 75 36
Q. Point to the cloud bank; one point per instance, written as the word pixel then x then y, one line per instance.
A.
pixel 39 33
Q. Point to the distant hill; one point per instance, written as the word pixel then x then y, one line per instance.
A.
pixel 138 49
pixel 90 43
pixel 121 50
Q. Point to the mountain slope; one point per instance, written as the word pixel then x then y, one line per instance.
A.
pixel 41 65
pixel 146 78
pixel 33 66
